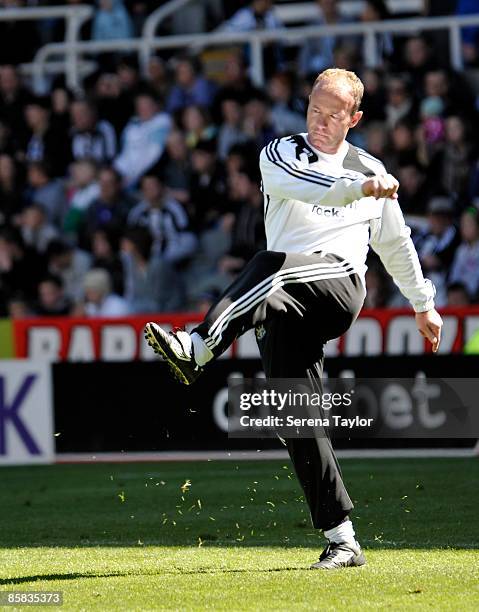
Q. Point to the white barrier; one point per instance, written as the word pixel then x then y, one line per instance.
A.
pixel 256 40
pixel 26 413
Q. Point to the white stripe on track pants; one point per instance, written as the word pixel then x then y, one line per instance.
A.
pixel 299 302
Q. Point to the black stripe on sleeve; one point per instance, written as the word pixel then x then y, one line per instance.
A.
pixel 313 174
pixel 281 164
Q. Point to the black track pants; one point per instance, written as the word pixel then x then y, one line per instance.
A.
pixel 296 303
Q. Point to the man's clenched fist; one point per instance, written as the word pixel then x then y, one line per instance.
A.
pixel 381 186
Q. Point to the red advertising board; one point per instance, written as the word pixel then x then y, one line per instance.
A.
pixel 376 332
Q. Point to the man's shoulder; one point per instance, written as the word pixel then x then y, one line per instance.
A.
pixel 114 305
pixel 242 19
pixel 369 160
pixel 363 153
pixel 294 144
pixel 172 204
pixel 138 210
pixel 55 186
pixel 81 259
pixel 176 211
pixel 103 125
pixel 160 120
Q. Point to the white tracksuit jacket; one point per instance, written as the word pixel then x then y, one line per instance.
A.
pixel 314 202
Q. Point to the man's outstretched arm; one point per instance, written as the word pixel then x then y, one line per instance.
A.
pixel 391 239
pixel 287 177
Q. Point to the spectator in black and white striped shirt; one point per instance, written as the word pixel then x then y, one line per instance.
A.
pixel 167 221
pixel 91 138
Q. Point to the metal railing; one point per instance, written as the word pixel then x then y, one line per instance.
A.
pixel 288 13
pixel 75 17
pixel 256 41
pixel 293 12
pixel 152 23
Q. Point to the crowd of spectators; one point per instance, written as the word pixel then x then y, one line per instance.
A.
pixel 142 193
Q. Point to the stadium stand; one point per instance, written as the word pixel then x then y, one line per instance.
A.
pixel 148 170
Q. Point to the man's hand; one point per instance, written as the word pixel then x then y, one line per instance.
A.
pixel 381 186
pixel 429 325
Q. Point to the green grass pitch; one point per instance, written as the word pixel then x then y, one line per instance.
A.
pixel 237 536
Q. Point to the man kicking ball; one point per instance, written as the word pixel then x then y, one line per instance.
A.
pixel 325 202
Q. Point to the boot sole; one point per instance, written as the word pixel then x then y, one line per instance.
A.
pixel 156 344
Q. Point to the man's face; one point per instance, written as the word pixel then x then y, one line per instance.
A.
pixel 35 177
pixel 402 138
pixel 397 92
pixel 457 298
pixel 176 146
pixel 279 90
pixel 146 107
pixel 416 52
pixel 454 130
pixel 94 296
pixel 9 81
pixel 256 112
pixel 231 111
pixel 329 118
pixel 151 188
pixel 108 86
pixel 438 222
pixel 240 186
pixel 35 116
pixel 49 293
pixel 185 74
pixel 410 179
pixel 63 261
pixel 100 245
pixel 261 6
pixel 436 83
pixel 202 161
pixel 109 186
pixel 82 116
pixel 328 7
pixel 233 70
pixel 469 227
pixel 33 218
